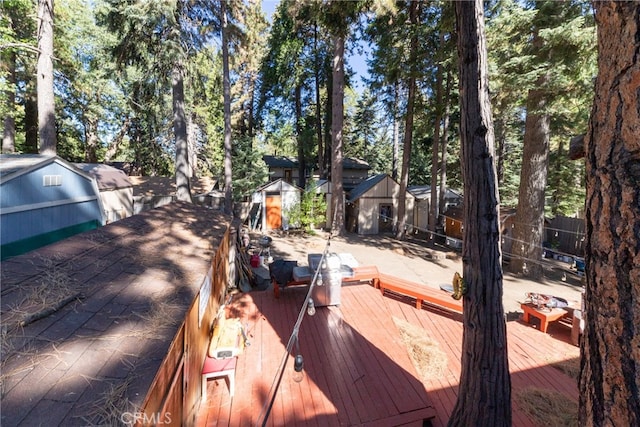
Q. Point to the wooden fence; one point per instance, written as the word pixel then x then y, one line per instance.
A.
pixel 566 235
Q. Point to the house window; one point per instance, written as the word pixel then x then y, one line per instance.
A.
pixel 287 176
pixel 52 180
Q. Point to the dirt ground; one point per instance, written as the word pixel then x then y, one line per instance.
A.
pixel 416 260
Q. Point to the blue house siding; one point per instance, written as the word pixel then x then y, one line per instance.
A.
pixel 29 189
pixel 43 200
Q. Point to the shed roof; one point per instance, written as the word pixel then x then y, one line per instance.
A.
pixel 422 192
pixel 278 185
pixel 365 186
pixel 107 177
pixel 280 162
pixel 15 165
pixel 289 163
pixel 135 279
pixel 320 186
pixel 351 163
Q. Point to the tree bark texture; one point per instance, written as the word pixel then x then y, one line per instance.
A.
pixel 226 89
pixel 46 98
pixel 327 127
pixel 31 120
pixel 302 164
pixel 91 138
pixel 9 132
pixel 183 192
pixel 610 372
pixel 318 109
pixel 529 221
pixel 435 153
pixel 484 396
pixel 337 118
pixel 443 148
pixel 396 131
pixel 400 225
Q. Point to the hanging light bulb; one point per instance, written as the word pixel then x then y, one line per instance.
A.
pixel 311 307
pixel 298 364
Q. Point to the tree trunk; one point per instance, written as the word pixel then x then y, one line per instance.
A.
pixel 318 109
pixel 337 118
pixel 91 138
pixel 328 126
pixel 112 149
pixel 610 375
pixel 226 89
pixel 484 393
pixel 435 153
pixel 528 227
pixel 302 164
pixel 396 131
pixel 31 120
pixel 400 224
pixel 183 192
pixel 192 142
pixel 46 99
pixel 9 132
pixel 444 144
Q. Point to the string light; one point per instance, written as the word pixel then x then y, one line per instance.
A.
pixel 298 365
pixel 311 307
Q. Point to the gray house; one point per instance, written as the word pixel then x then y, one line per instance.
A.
pixel 354 171
pixel 44 199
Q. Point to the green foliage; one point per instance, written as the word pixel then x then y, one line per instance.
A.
pixel 310 211
pixel 249 171
pixel 19 49
pixel 204 88
pixel 567 54
pixel 129 106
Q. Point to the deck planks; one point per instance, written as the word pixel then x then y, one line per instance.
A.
pixel 341 344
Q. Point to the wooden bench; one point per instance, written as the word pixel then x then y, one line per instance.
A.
pixel 545 315
pixel 365 273
pixel 421 293
pixel 300 276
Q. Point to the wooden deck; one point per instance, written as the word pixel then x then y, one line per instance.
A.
pixel 357 371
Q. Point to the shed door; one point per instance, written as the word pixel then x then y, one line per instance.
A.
pixel 273 206
pixel 385 217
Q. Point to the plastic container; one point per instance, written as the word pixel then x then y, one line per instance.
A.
pixel 255 261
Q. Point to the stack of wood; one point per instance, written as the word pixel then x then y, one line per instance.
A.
pixel 246 278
